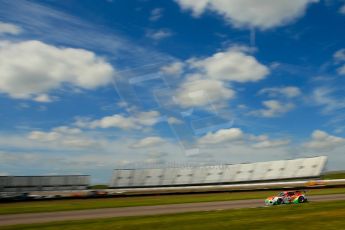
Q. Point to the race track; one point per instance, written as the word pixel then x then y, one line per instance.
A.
pixel 143 210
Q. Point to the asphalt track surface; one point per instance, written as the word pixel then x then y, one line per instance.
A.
pixel 32 218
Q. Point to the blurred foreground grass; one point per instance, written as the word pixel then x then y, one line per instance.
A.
pixel 320 215
pixel 80 204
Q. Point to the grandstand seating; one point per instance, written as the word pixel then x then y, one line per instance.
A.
pixel 44 183
pixel 219 174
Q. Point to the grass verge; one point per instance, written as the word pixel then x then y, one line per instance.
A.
pixel 334 175
pixel 321 215
pixel 81 204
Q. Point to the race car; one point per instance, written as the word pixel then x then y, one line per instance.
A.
pixel 287 197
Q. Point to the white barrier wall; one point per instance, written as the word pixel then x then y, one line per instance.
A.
pixel 43 183
pixel 271 170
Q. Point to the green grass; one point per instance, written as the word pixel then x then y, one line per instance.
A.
pixel 321 215
pixel 80 204
pixel 334 175
pixel 99 186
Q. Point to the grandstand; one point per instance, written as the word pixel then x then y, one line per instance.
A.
pixel 43 183
pixel 219 174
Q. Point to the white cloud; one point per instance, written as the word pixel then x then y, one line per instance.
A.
pixel 323 96
pixel 174 69
pixel 80 142
pixel 266 143
pixel 242 106
pixel 258 138
pixel 341 70
pixel 274 108
pixel 43 98
pixel 158 34
pixel 63 136
pixel 67 130
pixel 44 136
pixel 208 79
pixel 58 27
pixel 148 142
pixel 231 65
pixel 156 14
pixel 342 9
pixel 339 56
pixel 115 121
pixel 221 136
pixel 289 91
pixel 322 140
pixel 8 28
pixel 30 69
pixel 263 14
pixel 9 158
pixel 157 154
pixel 156 158
pixel 136 121
pixel 50 163
pixel 197 7
pixel 237 138
pixel 200 92
pixel 174 120
pixel 148 118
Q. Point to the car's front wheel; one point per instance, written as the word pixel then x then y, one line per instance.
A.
pixel 279 201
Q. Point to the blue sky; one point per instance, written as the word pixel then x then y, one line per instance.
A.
pixel 88 86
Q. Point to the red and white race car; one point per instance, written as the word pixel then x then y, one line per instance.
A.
pixel 287 197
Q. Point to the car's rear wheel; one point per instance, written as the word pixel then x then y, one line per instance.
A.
pixel 301 199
